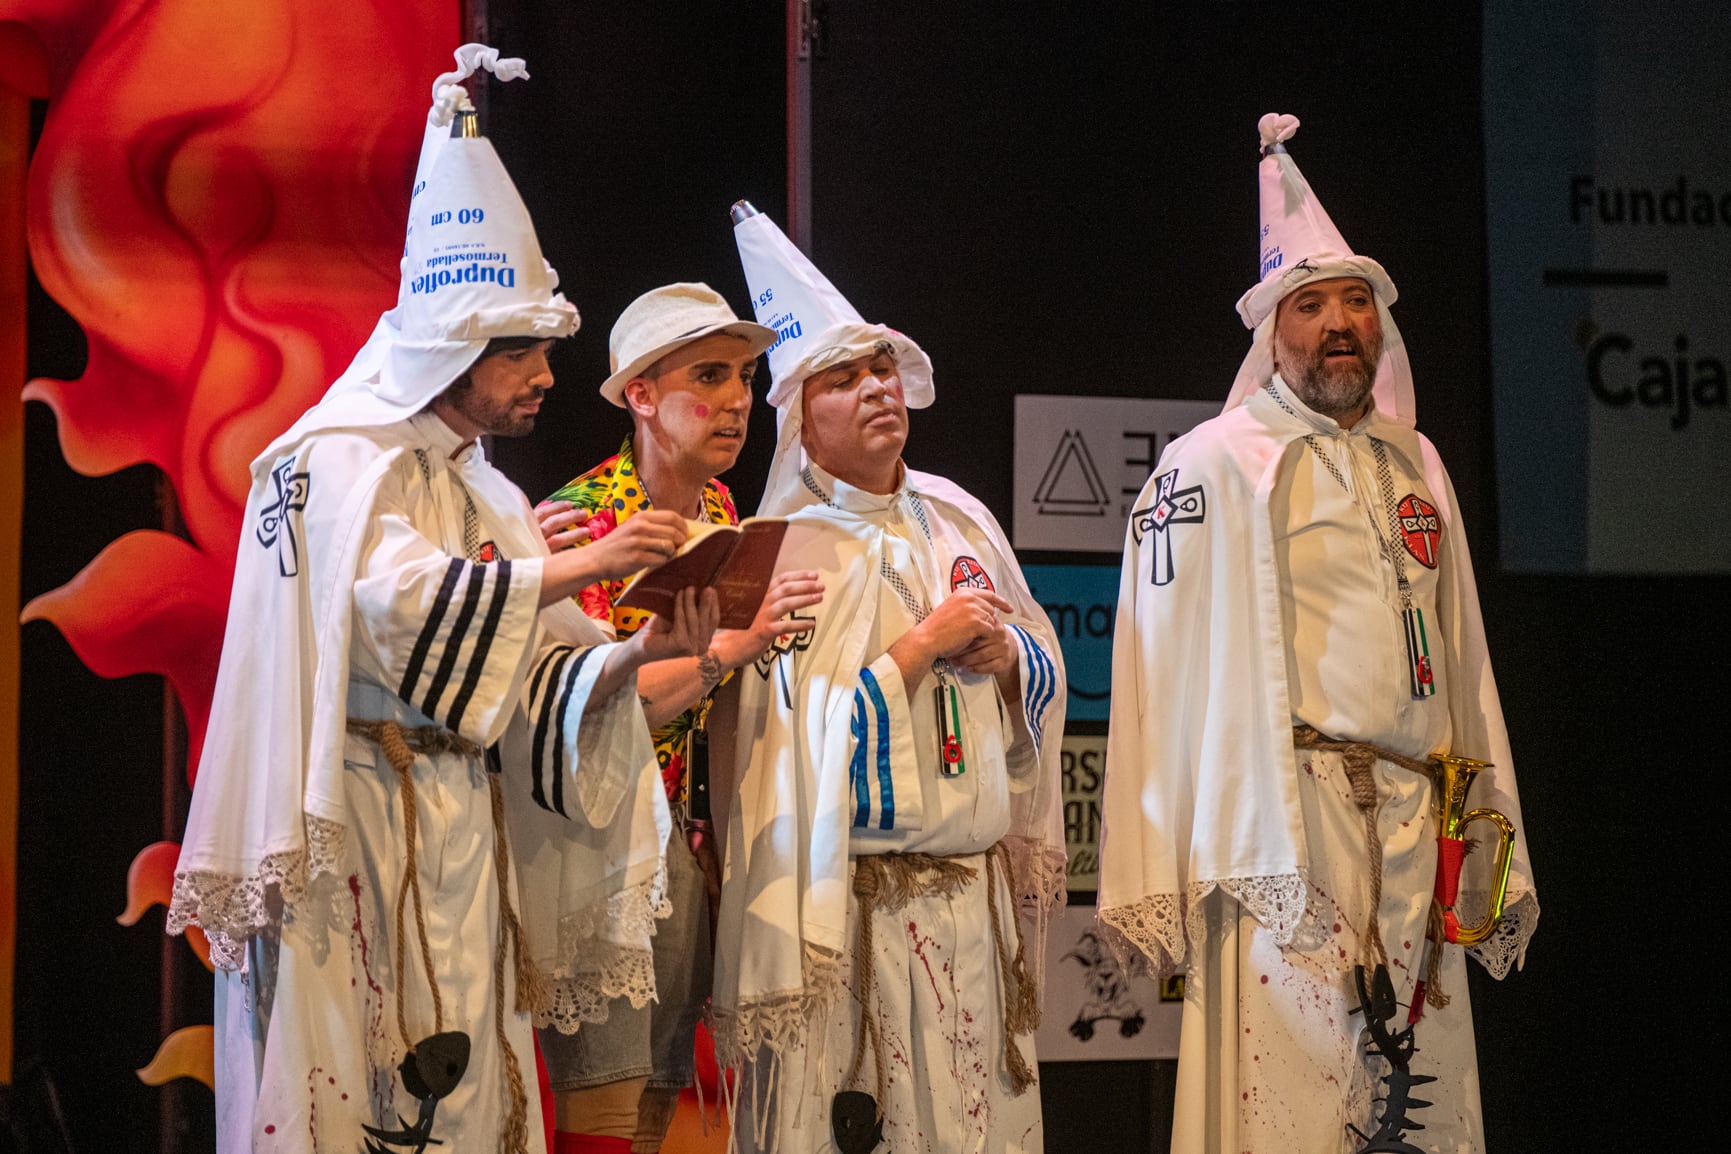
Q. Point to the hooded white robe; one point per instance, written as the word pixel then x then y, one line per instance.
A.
pixel 840 764
pixel 352 598
pixel 1228 856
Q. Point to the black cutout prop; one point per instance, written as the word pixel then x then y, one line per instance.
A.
pixel 1377 1002
pixel 854 1122
pixel 431 1070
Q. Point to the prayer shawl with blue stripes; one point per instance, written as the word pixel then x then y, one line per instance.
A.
pixel 819 759
pixel 468 649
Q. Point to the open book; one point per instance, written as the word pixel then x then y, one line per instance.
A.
pixel 737 561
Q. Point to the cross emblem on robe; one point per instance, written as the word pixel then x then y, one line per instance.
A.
pixel 274 526
pixel 1172 506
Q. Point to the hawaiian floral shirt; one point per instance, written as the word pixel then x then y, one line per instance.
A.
pixel 612 492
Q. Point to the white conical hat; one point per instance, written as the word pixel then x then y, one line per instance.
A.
pixel 815 327
pixel 1300 244
pixel 814 324
pixel 472 270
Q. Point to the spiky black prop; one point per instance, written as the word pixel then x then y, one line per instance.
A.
pixel 431 1070
pixel 1397 1048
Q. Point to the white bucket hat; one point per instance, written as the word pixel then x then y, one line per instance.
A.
pixel 815 327
pixel 1300 244
pixel 664 319
pixel 472 270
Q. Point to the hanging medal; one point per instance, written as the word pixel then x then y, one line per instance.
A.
pixel 947 701
pixel 1421 675
pixel 1418 652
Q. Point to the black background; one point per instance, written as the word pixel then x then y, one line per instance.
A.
pixel 1051 198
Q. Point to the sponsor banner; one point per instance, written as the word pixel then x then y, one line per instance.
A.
pixel 1608 213
pixel 1080 461
pixel 1092 1011
pixel 1084 778
pixel 1082 601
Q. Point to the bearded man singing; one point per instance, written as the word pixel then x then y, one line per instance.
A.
pixel 1298 630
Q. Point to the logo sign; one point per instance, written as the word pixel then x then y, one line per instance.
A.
pixel 1082 601
pixel 1084 777
pixel 1420 528
pixel 1081 461
pixel 1094 1010
pixel 1607 228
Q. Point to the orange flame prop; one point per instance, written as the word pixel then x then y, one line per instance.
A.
pixel 189 1052
pixel 218 198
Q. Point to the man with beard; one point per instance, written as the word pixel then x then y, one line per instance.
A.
pixel 426 812
pixel 1298 631
pixel 682 365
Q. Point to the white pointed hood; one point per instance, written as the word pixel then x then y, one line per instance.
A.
pixel 1299 244
pixel 472 270
pixel 815 327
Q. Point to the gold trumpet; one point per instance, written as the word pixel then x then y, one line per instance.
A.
pixel 1454 777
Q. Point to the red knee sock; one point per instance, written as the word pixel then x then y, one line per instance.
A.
pixel 565 1142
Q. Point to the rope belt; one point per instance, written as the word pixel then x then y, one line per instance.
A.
pixel 888 882
pixel 400 746
pixel 1359 757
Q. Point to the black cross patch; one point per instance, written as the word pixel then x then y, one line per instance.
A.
pixel 1172 506
pixel 274 526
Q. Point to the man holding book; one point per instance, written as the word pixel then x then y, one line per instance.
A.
pixel 899 773
pixel 682 366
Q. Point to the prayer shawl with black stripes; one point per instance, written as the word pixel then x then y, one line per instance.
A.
pixel 807 728
pixel 463 643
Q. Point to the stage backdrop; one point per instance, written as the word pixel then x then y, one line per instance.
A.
pixel 216 198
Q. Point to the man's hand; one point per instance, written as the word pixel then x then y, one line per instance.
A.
pixel 562 524
pixel 991 655
pixel 687 633
pixel 964 619
pixel 790 592
pixel 646 539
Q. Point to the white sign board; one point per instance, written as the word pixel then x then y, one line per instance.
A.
pixel 1080 461
pixel 1093 1012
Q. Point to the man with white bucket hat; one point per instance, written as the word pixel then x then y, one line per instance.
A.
pixel 1298 634
pixel 899 793
pixel 426 812
pixel 683 365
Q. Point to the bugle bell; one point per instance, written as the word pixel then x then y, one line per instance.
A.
pixel 1454 777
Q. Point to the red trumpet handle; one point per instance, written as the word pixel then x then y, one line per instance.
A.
pixel 1450 851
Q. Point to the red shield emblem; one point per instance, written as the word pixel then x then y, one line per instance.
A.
pixel 967 571
pixel 487 553
pixel 1420 528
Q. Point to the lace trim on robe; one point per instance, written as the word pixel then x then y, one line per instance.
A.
pixel 1165 929
pixel 1507 948
pixel 231 908
pixel 593 968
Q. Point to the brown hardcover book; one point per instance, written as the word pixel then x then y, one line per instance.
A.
pixel 737 561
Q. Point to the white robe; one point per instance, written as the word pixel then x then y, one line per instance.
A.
pixel 353 600
pixel 1225 854
pixel 841 765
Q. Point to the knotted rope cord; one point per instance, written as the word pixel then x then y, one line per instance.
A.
pixel 399 746
pixel 1021 1005
pixel 532 992
pixel 1359 757
pixel 889 881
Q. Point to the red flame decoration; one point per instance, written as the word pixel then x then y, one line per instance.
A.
pixel 218 198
